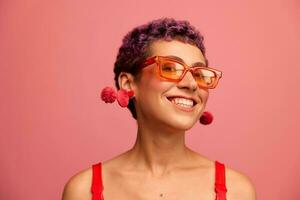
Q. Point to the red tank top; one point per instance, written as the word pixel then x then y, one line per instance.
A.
pixel 220 184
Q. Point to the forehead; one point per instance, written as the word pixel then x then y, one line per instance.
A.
pixel 185 52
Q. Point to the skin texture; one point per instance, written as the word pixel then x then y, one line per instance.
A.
pixel 160 165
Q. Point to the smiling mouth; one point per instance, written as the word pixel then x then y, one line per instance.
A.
pixel 182 106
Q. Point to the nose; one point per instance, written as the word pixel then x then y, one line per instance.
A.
pixel 188 81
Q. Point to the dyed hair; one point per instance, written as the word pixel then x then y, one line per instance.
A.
pixel 135 45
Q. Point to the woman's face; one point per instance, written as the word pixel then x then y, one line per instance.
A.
pixel 151 97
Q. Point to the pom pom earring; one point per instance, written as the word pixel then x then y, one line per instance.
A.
pixel 109 95
pixel 123 97
pixel 206 118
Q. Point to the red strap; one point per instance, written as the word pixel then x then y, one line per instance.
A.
pixel 97 186
pixel 220 181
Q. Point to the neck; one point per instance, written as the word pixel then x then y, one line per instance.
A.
pixel 159 150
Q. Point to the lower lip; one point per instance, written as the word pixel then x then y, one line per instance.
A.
pixel 182 108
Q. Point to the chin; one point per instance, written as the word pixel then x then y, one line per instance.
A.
pixel 180 125
pixel 177 123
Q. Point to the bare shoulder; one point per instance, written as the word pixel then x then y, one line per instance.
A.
pixel 239 185
pixel 78 187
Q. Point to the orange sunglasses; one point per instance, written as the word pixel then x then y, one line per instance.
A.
pixel 174 70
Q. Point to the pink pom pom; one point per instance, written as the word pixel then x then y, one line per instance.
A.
pixel 123 98
pixel 108 94
pixel 206 118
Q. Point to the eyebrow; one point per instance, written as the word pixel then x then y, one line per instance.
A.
pixel 181 60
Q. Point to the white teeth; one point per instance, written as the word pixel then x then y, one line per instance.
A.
pixel 183 102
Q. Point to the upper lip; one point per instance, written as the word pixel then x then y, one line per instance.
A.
pixel 195 100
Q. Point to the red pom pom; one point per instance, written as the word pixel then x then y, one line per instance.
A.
pixel 108 95
pixel 130 93
pixel 206 118
pixel 123 98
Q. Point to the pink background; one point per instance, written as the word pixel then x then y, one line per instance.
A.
pixel 55 56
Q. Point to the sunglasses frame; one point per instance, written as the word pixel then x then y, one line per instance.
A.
pixel 159 59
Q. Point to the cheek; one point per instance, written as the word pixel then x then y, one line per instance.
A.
pixel 203 94
pixel 152 90
pixel 151 82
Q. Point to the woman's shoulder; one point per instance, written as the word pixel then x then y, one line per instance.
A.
pixel 239 185
pixel 78 187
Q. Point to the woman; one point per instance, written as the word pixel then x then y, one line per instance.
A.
pixel 162 76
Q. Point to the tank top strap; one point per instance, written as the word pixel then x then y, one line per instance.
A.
pixel 220 181
pixel 97 185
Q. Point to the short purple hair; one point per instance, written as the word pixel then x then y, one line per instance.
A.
pixel 135 47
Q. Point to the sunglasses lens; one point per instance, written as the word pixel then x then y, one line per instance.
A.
pixel 171 70
pixel 205 77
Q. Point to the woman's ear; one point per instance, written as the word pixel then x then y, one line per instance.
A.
pixel 126 81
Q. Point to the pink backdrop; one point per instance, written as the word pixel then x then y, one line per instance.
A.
pixel 55 56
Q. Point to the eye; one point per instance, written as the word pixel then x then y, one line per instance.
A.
pixel 168 67
pixel 172 66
